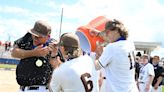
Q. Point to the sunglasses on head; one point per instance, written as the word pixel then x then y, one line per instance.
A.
pixel 112 25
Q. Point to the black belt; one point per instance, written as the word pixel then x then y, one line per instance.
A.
pixel 30 87
pixel 141 82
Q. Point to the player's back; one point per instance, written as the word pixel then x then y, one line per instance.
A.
pixel 123 61
pixel 120 69
pixel 77 75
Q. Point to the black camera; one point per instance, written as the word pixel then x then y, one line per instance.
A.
pixel 58 53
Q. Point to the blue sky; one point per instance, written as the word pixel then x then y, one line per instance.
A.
pixel 143 18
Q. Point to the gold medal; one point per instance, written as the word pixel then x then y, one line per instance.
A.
pixel 39 63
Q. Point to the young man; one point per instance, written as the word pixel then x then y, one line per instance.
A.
pixel 34 71
pixel 159 74
pixel 117 58
pixel 146 75
pixel 77 73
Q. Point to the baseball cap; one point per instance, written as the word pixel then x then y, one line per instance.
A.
pixel 41 28
pixel 70 40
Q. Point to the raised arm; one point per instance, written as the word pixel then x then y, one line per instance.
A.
pixel 21 53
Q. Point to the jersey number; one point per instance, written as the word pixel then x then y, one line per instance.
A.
pixel 131 59
pixel 88 84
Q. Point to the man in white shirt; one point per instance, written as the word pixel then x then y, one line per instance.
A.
pixel 117 58
pixel 77 73
pixel 146 75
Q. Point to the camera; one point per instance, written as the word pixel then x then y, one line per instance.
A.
pixel 53 44
pixel 60 55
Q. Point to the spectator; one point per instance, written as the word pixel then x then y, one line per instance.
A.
pixel 137 67
pixel 6 46
pixel 159 74
pixel 9 45
pixel 146 75
pixel 33 72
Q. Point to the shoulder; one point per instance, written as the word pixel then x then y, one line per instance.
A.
pixel 24 42
pixel 122 43
pixel 59 70
pixel 26 36
pixel 150 65
pixel 85 57
pixel 111 46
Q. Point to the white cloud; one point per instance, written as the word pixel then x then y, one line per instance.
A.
pixel 2 29
pixel 144 18
pixel 14 28
pixel 12 9
pixel 159 52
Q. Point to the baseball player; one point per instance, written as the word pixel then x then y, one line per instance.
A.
pixel 34 70
pixel 117 58
pixel 146 75
pixel 77 73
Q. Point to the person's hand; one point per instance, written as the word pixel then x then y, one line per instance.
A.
pixel 155 86
pixel 147 88
pixel 53 48
pixel 93 31
pixel 41 51
pixel 55 62
pixel 99 49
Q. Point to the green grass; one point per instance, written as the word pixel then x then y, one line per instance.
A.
pixel 162 88
pixel 7 66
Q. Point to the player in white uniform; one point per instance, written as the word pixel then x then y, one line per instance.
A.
pixel 77 73
pixel 146 75
pixel 117 58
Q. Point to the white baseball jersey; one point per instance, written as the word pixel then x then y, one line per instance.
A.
pixel 143 79
pixel 118 61
pixel 76 75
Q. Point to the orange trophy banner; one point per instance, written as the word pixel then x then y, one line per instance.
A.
pixel 88 42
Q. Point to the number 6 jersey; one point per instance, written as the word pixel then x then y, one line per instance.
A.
pixel 76 75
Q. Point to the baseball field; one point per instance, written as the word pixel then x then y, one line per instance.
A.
pixel 7 81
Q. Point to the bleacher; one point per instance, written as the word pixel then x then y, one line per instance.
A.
pixel 8 61
pixel 6 58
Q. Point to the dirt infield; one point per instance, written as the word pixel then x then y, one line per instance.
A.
pixel 7 81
